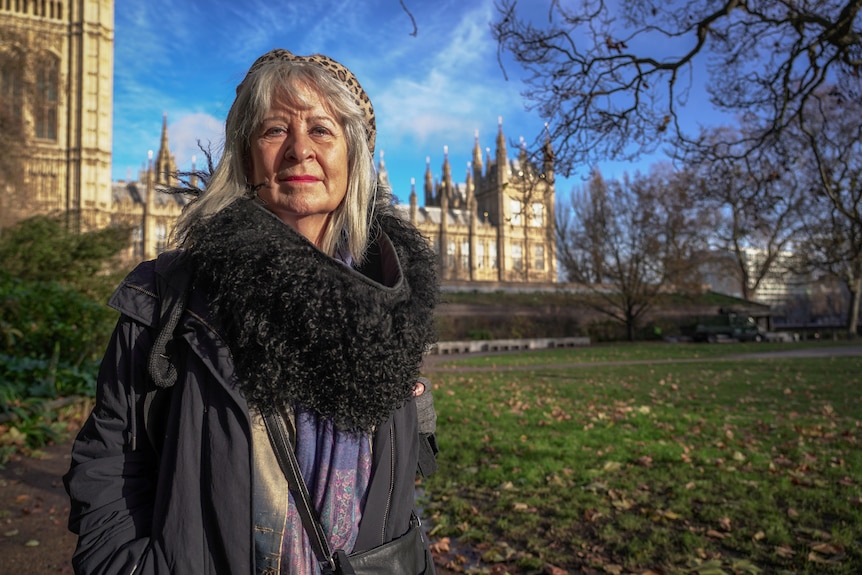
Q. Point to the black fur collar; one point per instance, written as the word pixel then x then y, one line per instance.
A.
pixel 304 328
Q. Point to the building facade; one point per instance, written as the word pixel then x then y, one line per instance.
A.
pixel 56 89
pixel 498 226
pixel 144 205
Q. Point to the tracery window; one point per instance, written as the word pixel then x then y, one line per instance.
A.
pixel 517 257
pixel 537 220
pixel 10 96
pixel 46 99
pixel 515 209
pixel 539 257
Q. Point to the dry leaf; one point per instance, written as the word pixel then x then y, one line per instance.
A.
pixel 440 546
pixel 784 551
pixel 827 549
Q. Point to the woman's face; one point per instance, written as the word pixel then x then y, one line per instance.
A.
pixel 300 157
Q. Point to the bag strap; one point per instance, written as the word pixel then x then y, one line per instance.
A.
pixel 172 285
pixel 276 428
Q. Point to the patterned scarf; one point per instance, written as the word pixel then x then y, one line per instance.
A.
pixel 336 467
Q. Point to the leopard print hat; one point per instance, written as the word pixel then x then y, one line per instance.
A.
pixel 337 71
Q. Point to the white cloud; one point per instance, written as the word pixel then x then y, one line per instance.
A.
pixel 185 133
pixel 461 85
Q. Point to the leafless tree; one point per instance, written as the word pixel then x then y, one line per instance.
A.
pixel 612 78
pixel 629 241
pixel 755 204
pixel 828 143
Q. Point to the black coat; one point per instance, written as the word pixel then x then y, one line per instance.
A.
pixel 189 510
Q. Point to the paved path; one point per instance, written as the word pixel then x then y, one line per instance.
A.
pixel 436 362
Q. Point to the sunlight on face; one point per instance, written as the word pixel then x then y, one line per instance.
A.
pixel 300 155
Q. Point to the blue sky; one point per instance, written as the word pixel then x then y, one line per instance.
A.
pixel 436 89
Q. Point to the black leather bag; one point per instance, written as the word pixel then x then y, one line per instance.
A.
pixel 402 556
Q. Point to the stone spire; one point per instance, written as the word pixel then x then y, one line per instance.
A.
pixel 548 157
pixel 523 162
pixel 477 160
pixel 468 192
pixel 429 183
pixel 382 174
pixel 447 187
pixel 502 156
pixel 414 207
pixel 165 167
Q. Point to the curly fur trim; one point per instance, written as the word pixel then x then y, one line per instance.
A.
pixel 306 329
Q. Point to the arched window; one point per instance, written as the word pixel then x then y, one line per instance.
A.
pixel 10 95
pixel 46 99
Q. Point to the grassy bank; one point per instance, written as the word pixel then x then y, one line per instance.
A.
pixel 707 466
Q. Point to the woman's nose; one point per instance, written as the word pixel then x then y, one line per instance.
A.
pixel 298 146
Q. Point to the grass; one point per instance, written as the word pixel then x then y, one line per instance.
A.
pixel 714 466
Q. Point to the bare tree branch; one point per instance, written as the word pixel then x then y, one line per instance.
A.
pixel 612 82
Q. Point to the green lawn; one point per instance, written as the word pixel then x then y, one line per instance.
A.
pixel 707 467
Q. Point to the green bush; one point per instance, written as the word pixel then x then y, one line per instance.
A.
pixel 45 319
pixel 44 249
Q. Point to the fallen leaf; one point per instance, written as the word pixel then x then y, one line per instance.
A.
pixel 827 549
pixel 32 543
pixel 724 522
pixel 784 551
pixel 549 569
pixel 440 546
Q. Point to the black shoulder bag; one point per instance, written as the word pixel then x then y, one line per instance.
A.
pixel 402 556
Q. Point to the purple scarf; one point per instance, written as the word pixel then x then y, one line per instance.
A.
pixel 336 467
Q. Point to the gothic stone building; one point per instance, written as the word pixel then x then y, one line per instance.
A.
pixel 496 228
pixel 56 84
pixel 56 96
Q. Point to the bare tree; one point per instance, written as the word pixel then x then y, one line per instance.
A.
pixel 629 241
pixel 755 204
pixel 612 78
pixel 829 148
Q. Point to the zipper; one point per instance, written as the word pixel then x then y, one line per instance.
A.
pixel 391 482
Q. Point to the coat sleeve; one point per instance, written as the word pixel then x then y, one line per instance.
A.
pixel 112 479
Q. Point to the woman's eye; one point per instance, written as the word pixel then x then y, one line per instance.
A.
pixel 320 131
pixel 274 131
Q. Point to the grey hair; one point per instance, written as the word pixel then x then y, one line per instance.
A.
pixel 349 227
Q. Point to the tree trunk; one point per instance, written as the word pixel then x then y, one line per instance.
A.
pixel 855 288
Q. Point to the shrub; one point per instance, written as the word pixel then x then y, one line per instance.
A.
pixel 45 319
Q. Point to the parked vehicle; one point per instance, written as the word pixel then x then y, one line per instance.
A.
pixel 728 326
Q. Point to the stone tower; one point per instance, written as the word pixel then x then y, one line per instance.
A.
pixel 498 227
pixel 56 87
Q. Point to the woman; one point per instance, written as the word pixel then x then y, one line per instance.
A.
pixel 308 297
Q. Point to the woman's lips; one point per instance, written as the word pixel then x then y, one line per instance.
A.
pixel 300 179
